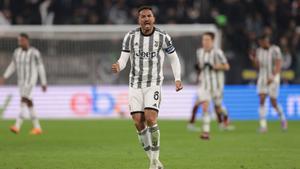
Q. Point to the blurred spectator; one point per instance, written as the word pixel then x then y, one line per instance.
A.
pixel 118 13
pixel 5 17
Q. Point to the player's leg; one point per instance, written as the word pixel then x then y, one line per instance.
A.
pixel 33 115
pixel 136 106
pixel 262 90
pixel 278 109
pixel 217 100
pixel 219 113
pixel 194 112
pixel 262 113
pixel 151 120
pixel 274 90
pixel 142 131
pixel 222 114
pixel 26 94
pixel 152 96
pixel 201 95
pixel 19 120
pixel 191 124
pixel 206 121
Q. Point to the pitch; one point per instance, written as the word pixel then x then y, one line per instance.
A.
pixel 113 144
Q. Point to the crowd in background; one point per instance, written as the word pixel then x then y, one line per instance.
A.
pixel 241 21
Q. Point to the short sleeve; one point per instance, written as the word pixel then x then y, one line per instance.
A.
pixel 168 45
pixel 221 57
pixel 126 44
pixel 277 53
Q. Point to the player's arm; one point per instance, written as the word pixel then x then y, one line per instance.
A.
pixel 253 57
pixel 174 60
pixel 8 72
pixel 222 66
pixel 222 62
pixel 121 63
pixel 41 71
pixel 277 65
pixel 278 62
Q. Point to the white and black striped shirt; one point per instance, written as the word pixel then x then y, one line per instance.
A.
pixel 266 60
pixel 29 65
pixel 147 56
pixel 210 79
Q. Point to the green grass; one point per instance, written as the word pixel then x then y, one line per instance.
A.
pixel 113 144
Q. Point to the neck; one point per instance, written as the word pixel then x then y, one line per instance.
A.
pixel 147 32
pixel 25 47
pixel 208 49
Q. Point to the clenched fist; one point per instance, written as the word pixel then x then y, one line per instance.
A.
pixel 178 85
pixel 115 68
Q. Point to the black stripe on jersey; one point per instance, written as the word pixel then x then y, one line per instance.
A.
pixel 150 61
pixel 133 60
pixel 126 48
pixel 159 59
pixel 160 31
pixel 141 61
pixel 29 73
pixel 216 71
pixel 23 67
pixel 18 60
pixel 128 51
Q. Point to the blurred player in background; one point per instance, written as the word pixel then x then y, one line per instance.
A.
pixel 268 59
pixel 146 47
pixel 27 62
pixel 211 66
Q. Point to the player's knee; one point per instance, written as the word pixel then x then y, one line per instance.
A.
pixel 27 101
pixel 274 102
pixel 151 120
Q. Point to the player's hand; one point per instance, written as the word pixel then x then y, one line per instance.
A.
pixel 252 56
pixel 217 67
pixel 178 85
pixel 115 68
pixel 208 65
pixel 44 88
pixel 2 81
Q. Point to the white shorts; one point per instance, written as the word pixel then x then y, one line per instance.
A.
pixel 272 90
pixel 218 97
pixel 26 91
pixel 139 99
pixel 208 96
pixel 204 95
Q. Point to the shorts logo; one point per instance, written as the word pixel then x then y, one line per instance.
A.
pixel 154 105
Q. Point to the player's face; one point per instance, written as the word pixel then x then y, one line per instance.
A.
pixel 23 42
pixel 207 42
pixel 146 19
pixel 264 43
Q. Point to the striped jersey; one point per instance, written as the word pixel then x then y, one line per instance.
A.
pixel 210 79
pixel 29 65
pixel 266 60
pixel 147 56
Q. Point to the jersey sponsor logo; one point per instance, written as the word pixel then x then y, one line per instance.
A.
pixel 146 55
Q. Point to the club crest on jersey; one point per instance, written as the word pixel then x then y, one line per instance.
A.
pixel 156 43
